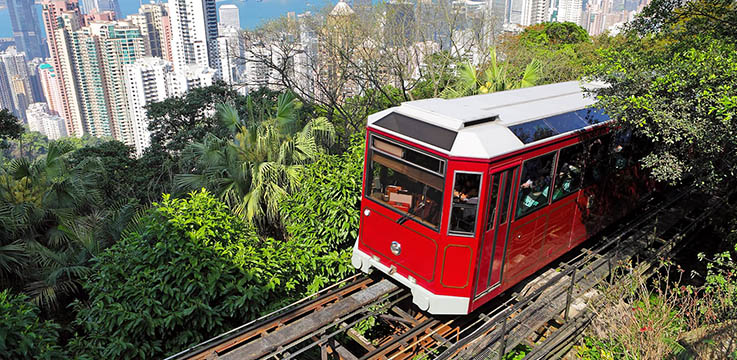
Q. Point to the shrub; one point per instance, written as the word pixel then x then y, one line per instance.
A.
pixel 191 270
pixel 640 319
pixel 324 215
pixel 23 335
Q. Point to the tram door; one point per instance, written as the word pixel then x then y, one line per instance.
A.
pixel 491 256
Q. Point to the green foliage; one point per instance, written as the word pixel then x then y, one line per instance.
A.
pixel 23 335
pixel 356 109
pixel 720 287
pixel 325 213
pixel 32 144
pixel 181 121
pixel 593 348
pixel 255 170
pixel 563 50
pixel 189 271
pixel 554 33
pixel 684 23
pixel 518 353
pixel 119 169
pixel 678 91
pixel 326 209
pixel 38 200
pixel 492 77
pixel 10 127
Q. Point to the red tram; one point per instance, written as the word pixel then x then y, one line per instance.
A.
pixel 464 198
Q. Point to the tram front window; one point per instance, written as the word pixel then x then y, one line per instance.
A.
pixel 406 188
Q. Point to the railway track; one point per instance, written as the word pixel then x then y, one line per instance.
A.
pixel 324 325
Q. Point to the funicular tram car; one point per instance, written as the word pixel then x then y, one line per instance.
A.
pixel 464 198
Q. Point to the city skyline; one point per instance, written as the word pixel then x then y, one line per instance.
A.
pixel 251 13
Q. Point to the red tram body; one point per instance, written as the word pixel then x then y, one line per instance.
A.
pixel 464 198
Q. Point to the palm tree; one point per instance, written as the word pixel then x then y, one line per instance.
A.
pixel 495 77
pixel 255 169
pixel 51 223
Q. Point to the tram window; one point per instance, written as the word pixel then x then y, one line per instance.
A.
pixel 492 202
pixel 597 164
pixel 465 203
pixel 569 172
pixel 622 150
pixel 405 188
pixel 424 161
pixel 533 131
pixel 534 187
pixel 505 197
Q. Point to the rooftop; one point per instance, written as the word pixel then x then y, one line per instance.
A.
pixel 485 126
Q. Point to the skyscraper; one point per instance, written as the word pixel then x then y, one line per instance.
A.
pixel 26 30
pixel 229 16
pixel 146 81
pixel 194 31
pixel 150 19
pixel 191 76
pixel 42 120
pixel 101 5
pixel 232 54
pixel 101 51
pixel 569 10
pixel 61 18
pixel 13 63
pixel 50 87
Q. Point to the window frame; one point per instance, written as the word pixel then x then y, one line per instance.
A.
pixel 517 216
pixel 443 162
pixel 369 169
pixel 450 208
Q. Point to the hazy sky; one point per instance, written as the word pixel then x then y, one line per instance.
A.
pixel 252 12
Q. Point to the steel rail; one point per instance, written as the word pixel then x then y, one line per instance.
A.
pixel 498 317
pixel 566 335
pixel 327 294
pixel 402 293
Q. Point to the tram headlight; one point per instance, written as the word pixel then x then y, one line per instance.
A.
pixel 396 248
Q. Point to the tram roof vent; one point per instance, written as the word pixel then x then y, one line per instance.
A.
pixel 481 120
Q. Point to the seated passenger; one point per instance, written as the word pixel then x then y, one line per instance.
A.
pixel 466 192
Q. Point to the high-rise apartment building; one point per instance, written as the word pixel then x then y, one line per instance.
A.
pixel 150 19
pixel 191 76
pixel 232 54
pixel 61 19
pixel 229 16
pixel 35 79
pixel 26 31
pixel 194 31
pixel 13 64
pixel 50 88
pixel 6 100
pixel 567 11
pixel 147 81
pixel 89 6
pixel 102 49
pixel 42 120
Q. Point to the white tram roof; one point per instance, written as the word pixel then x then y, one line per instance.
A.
pixel 489 125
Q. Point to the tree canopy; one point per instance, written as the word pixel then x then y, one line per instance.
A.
pixel 677 88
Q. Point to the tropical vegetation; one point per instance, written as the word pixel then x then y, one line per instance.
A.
pixel 245 203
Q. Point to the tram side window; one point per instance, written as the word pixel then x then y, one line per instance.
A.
pixel 492 202
pixel 597 164
pixel 465 203
pixel 570 171
pixel 534 185
pixel 622 150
